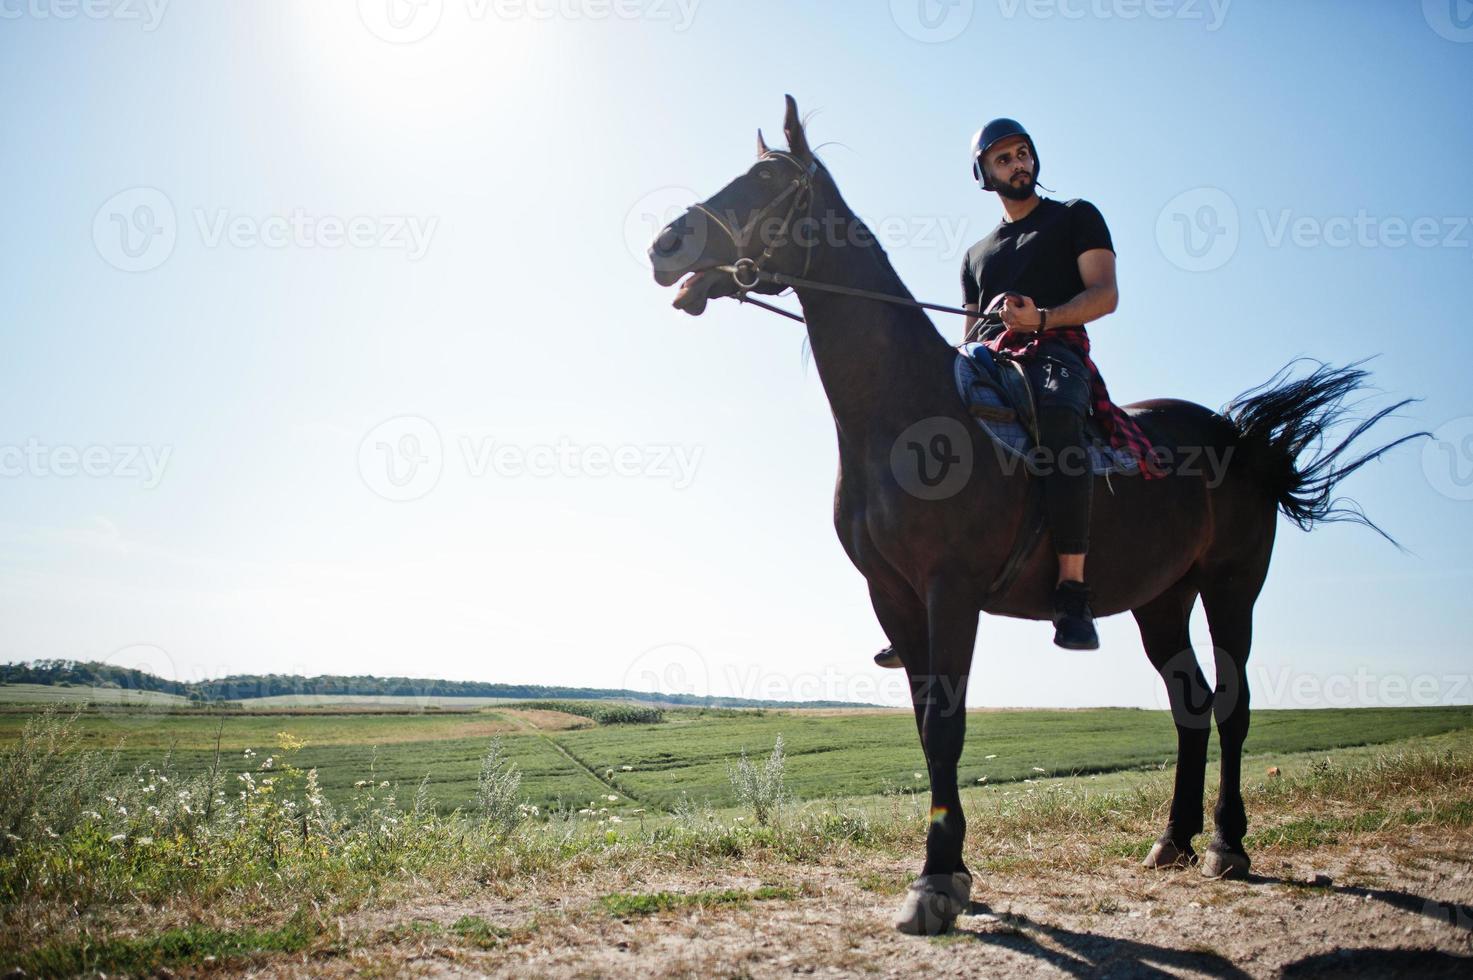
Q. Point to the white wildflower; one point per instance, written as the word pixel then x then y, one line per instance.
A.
pixel 115 838
pixel 1036 769
pixel 989 756
pixel 627 768
pixel 612 798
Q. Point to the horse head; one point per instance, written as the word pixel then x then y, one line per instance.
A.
pixel 763 219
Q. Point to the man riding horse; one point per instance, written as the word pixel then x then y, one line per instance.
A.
pixel 1047 267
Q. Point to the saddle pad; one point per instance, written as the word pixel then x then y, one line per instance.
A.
pixel 980 386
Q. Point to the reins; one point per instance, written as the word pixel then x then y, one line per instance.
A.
pixel 748 274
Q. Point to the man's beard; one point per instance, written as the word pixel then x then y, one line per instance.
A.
pixel 1017 192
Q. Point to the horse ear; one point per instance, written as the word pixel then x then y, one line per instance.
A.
pixel 793 129
pixel 762 150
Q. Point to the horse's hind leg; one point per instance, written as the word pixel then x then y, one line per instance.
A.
pixel 1164 626
pixel 1230 617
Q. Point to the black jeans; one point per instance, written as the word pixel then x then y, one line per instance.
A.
pixel 1062 393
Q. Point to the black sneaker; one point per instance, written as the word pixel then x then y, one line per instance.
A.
pixel 888 658
pixel 1074 623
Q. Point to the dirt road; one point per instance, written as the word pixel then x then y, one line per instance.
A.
pixel 1399 907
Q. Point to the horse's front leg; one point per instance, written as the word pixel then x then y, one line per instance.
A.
pixel 944 888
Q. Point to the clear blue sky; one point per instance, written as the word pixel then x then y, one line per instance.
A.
pixel 495 173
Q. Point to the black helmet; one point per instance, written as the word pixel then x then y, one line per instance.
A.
pixel 999 129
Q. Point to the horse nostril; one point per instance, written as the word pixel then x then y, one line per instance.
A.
pixel 668 242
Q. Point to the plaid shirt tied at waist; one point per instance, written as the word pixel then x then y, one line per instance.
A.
pixel 1123 432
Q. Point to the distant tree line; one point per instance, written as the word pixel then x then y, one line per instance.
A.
pixel 239 687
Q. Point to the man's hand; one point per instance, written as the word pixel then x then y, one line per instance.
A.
pixel 1019 313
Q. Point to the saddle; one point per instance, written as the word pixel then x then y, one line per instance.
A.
pixel 995 389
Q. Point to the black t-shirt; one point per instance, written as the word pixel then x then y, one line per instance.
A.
pixel 1037 255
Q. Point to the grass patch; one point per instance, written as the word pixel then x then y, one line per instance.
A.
pixel 478 932
pixel 628 905
pixel 194 946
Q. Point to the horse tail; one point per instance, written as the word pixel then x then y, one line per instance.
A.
pixel 1279 419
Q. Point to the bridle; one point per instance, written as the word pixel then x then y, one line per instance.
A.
pixel 748 273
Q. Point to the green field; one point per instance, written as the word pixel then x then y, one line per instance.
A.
pixel 830 754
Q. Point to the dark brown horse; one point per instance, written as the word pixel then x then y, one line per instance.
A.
pixel 929 512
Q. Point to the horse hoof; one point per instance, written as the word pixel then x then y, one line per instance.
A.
pixel 1165 854
pixel 933 903
pixel 1224 864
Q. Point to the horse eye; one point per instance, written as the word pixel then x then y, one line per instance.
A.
pixel 764 175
